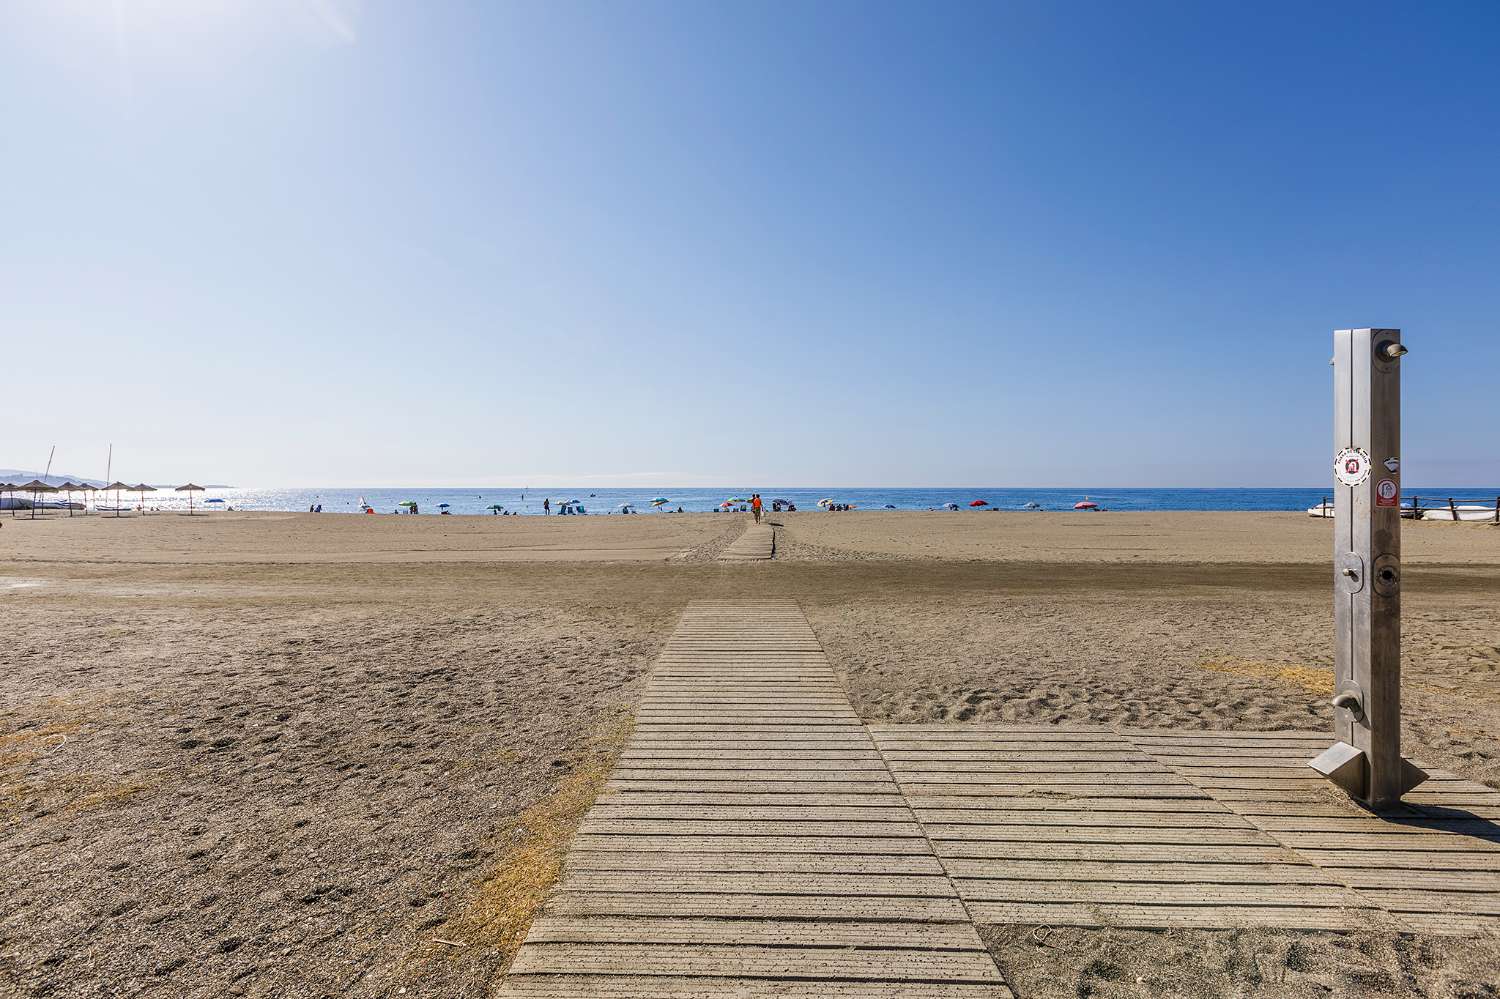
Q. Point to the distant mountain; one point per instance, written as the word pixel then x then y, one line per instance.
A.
pixel 20 475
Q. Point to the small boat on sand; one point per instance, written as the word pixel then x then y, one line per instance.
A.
pixel 22 503
pixel 1473 512
pixel 1325 510
pixel 1463 511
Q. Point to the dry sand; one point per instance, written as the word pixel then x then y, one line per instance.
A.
pixel 289 755
pixel 1051 537
pixel 378 538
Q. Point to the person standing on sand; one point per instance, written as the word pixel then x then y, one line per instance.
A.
pixel 755 506
pixel 546 506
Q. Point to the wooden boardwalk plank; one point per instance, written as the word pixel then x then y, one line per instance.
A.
pixel 1123 873
pixel 1300 894
pixel 732 842
pixel 1175 916
pixel 687 987
pixel 777 932
pixel 750 960
pixel 761 882
pixel 759 906
pixel 881 795
pixel 755 863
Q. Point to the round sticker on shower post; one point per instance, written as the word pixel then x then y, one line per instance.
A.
pixel 1351 466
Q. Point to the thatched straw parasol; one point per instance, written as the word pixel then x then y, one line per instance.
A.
pixel 36 487
pixel 70 487
pixel 116 488
pixel 143 489
pixel 190 489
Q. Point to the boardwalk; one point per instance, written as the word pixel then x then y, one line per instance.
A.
pixel 752 843
pixel 757 840
pixel 757 544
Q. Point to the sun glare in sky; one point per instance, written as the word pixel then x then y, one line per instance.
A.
pixel 194 29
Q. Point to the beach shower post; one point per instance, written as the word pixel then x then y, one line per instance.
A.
pixel 1366 761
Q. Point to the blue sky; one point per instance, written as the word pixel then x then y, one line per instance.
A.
pixel 314 242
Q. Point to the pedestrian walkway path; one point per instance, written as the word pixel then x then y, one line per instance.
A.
pixel 752 843
pixel 757 840
pixel 757 544
pixel 1094 827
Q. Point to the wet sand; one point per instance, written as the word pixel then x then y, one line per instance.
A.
pixel 306 755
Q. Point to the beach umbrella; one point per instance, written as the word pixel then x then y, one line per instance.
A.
pixel 189 489
pixel 12 488
pixel 35 487
pixel 1086 504
pixel 70 487
pixel 116 488
pixel 143 489
pixel 826 501
pixel 495 508
pixel 660 501
pixel 979 503
pixel 950 506
pixel 75 486
pixel 442 506
pixel 215 500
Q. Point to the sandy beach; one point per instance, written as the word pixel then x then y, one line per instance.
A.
pixel 290 754
pixel 172 538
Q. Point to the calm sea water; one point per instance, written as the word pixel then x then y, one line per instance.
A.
pixel 602 501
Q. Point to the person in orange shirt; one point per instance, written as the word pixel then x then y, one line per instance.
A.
pixel 755 506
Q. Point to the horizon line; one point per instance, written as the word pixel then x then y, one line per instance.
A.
pixel 806 488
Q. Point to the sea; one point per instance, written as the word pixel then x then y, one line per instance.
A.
pixel 593 500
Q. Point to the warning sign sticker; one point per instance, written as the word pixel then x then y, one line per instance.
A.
pixel 1351 466
pixel 1386 493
